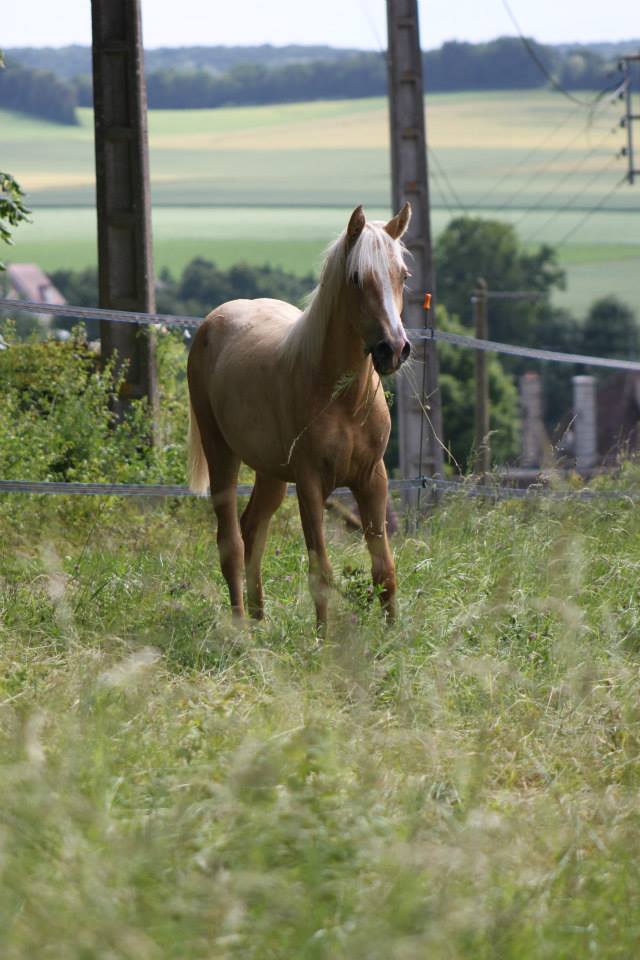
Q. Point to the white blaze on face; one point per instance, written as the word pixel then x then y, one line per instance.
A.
pixel 388 300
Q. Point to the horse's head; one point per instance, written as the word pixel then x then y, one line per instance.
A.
pixel 376 274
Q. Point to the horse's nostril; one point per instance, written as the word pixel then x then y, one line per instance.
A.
pixel 383 350
pixel 406 350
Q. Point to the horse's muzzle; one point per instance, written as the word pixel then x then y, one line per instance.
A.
pixel 387 357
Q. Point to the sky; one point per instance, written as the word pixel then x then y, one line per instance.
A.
pixel 340 23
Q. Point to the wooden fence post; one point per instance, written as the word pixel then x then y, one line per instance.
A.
pixel 482 448
pixel 585 424
pixel 531 408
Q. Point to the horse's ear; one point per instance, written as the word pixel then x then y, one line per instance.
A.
pixel 355 226
pixel 397 226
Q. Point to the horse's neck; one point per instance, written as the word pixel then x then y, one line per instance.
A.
pixel 344 364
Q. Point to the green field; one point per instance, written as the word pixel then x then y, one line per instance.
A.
pixel 463 786
pixel 274 184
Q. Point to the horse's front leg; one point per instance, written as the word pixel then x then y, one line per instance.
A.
pixel 371 497
pixel 268 494
pixel 311 501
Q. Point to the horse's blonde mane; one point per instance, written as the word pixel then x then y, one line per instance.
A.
pixel 371 254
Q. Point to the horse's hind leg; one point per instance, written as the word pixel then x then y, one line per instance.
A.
pixel 230 547
pixel 371 498
pixel 267 495
pixel 223 479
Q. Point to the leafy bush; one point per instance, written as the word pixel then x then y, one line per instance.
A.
pixel 57 422
pixel 457 390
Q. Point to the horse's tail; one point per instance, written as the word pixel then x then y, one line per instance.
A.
pixel 198 467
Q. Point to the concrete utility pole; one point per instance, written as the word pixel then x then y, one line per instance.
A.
pixel 420 451
pixel 125 265
pixel 629 117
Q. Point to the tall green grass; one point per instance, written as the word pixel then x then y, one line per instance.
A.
pixel 461 785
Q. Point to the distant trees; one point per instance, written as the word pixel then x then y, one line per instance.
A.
pixel 611 330
pixel 503 64
pixel 202 77
pixel 202 286
pixel 37 92
pixel 472 247
pixel 457 395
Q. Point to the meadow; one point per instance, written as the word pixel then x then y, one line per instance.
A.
pixel 275 184
pixel 461 785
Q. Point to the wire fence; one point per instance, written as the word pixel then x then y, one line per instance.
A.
pixel 425 333
pixel 434 485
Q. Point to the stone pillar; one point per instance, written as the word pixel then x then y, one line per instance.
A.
pixel 584 424
pixel 533 432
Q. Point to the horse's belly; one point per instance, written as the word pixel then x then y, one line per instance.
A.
pixel 255 422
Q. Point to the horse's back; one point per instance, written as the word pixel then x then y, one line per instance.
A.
pixel 238 318
pixel 241 332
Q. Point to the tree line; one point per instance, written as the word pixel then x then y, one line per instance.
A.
pixel 39 93
pixel 502 64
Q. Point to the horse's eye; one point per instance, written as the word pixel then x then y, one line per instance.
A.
pixel 356 279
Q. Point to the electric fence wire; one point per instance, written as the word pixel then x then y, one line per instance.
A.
pixel 418 334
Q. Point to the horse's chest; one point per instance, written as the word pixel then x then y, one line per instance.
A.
pixel 345 448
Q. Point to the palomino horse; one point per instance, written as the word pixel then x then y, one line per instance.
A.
pixel 297 396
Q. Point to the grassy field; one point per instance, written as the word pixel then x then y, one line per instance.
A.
pixel 463 785
pixel 276 183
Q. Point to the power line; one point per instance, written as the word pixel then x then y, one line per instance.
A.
pixel 569 204
pixel 590 213
pixel 547 164
pixel 443 174
pixel 589 104
pixel 523 160
pixel 569 173
pixel 540 170
pixel 373 28
pixel 434 180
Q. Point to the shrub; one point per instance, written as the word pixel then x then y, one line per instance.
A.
pixel 57 421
